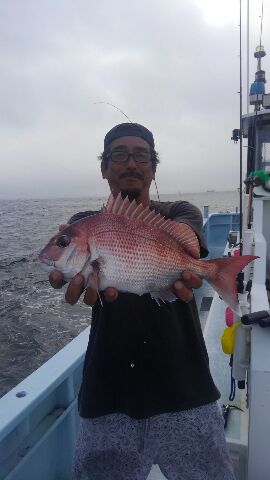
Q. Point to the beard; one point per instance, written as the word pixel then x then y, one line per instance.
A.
pixel 132 194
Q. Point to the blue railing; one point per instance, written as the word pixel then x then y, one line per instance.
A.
pixel 217 227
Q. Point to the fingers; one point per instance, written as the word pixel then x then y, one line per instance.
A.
pixel 77 286
pixel 75 289
pixel 56 279
pixel 181 291
pixel 183 288
pixel 90 296
pixel 110 294
pixel 192 280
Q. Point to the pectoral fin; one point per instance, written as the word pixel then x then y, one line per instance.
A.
pixel 90 273
pixel 164 296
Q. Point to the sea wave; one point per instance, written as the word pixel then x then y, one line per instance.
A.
pixel 6 262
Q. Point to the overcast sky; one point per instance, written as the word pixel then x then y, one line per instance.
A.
pixel 171 65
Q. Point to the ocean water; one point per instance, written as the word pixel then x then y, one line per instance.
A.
pixel 35 320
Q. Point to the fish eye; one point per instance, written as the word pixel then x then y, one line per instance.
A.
pixel 63 241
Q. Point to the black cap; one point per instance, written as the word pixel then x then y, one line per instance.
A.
pixel 126 130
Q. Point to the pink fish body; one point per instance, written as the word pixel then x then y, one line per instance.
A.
pixel 134 249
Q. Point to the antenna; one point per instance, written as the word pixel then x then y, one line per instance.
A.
pixel 257 89
pixel 261 28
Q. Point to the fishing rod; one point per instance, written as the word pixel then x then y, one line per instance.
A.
pixel 114 106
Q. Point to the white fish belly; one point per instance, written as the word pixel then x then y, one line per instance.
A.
pixel 136 271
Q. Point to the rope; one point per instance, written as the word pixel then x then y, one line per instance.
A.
pixel 156 189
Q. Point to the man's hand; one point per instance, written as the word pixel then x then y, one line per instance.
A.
pixel 183 288
pixel 56 278
pixel 76 288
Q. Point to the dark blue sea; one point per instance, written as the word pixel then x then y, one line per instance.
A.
pixel 35 320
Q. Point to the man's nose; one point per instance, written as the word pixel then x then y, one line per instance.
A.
pixel 131 162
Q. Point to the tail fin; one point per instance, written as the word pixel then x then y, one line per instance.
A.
pixel 223 277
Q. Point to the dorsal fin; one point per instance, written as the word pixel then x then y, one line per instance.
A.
pixel 181 232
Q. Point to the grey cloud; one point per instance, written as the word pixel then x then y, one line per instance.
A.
pixel 158 61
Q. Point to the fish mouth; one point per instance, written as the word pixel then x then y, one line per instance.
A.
pixel 46 261
pixel 47 268
pixel 47 264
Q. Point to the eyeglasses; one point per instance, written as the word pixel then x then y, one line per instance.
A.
pixel 119 156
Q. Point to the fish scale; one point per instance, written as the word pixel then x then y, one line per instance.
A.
pixel 134 249
pixel 139 256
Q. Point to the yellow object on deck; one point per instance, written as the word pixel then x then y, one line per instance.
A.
pixel 228 338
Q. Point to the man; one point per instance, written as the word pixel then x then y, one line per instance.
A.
pixel 147 395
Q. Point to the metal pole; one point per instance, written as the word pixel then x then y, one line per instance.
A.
pixel 241 135
pixel 247 56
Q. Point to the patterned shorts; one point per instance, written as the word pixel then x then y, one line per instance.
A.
pixel 187 445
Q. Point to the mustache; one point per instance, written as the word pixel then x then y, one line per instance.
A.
pixel 131 174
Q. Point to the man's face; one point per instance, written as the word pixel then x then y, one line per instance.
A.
pixel 129 177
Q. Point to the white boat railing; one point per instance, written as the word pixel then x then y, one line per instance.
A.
pixel 31 412
pixel 259 378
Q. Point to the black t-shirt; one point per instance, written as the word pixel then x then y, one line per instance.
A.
pixel 144 359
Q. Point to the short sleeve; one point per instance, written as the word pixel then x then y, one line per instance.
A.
pixel 184 212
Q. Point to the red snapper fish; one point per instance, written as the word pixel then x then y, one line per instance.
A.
pixel 134 249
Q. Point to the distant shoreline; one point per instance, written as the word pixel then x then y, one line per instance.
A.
pixel 105 196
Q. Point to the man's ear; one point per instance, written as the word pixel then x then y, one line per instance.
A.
pixel 103 170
